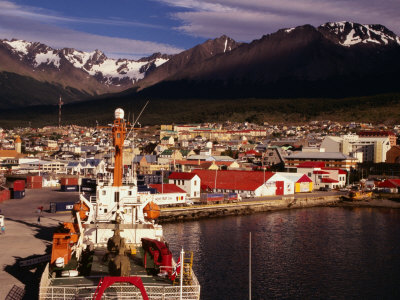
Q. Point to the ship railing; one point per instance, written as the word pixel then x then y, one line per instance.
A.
pixel 119 291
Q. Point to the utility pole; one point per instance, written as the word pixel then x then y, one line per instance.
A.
pixel 60 103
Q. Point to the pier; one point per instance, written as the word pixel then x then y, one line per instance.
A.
pixel 250 206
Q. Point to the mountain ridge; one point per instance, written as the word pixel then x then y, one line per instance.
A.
pixel 335 59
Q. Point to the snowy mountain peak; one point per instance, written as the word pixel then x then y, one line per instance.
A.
pixel 106 70
pixel 348 34
pixel 19 47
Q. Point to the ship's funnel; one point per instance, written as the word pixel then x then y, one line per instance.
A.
pixel 119 113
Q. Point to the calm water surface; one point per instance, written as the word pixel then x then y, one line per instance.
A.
pixel 315 253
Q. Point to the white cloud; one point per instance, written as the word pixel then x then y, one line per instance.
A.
pixel 250 19
pixel 34 24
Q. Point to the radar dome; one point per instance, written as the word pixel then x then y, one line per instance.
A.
pixel 119 113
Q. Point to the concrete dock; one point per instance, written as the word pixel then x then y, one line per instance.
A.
pixel 24 238
pixel 247 207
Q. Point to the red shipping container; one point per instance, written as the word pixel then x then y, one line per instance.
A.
pixel 6 194
pixel 19 185
pixel 2 196
pixel 34 185
pixel 69 181
pixel 30 179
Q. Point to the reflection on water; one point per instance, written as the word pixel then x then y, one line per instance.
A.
pixel 315 253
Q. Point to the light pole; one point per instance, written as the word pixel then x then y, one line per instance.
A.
pixel 162 180
pixel 215 183
pixel 264 174
pixel 264 179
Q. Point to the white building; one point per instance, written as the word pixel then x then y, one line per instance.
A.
pixel 364 148
pixel 189 182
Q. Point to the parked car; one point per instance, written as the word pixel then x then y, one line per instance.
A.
pixel 325 188
pixel 189 202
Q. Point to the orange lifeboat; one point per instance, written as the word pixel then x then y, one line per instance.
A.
pixel 151 211
pixel 81 209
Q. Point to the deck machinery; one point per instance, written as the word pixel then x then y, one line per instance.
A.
pixel 114 248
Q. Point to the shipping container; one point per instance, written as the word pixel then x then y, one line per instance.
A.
pixel 61 206
pixel 69 181
pixel 145 188
pixel 88 185
pixel 231 197
pixel 69 188
pixel 6 194
pixel 89 182
pixel 17 194
pixel 10 179
pixel 207 198
pixel 34 185
pixel 88 189
pixel 19 185
pixel 31 178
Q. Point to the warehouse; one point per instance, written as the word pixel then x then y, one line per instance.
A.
pixel 246 183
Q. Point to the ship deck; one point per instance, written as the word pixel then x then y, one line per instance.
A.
pixel 99 269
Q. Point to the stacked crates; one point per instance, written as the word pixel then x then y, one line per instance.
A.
pixel 88 185
pixel 61 206
pixel 145 188
pixel 4 194
pixel 34 182
pixel 69 184
pixel 18 189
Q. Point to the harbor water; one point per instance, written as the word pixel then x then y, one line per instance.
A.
pixel 313 253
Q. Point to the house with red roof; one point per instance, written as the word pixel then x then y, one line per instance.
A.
pixel 302 183
pixel 245 183
pixel 390 185
pixel 189 182
pixel 323 176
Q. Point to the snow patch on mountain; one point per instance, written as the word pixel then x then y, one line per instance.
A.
pixel 20 47
pixel 48 59
pixel 349 34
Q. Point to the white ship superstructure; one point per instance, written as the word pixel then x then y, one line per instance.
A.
pixel 115 246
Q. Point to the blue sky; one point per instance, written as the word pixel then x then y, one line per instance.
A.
pixel 137 28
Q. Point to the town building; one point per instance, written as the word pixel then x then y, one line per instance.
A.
pixel 322 176
pixel 364 148
pixel 245 183
pixel 331 160
pixel 189 182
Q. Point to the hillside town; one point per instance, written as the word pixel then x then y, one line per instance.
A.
pixel 193 159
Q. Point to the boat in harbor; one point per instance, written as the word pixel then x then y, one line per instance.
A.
pixel 360 195
pixel 114 248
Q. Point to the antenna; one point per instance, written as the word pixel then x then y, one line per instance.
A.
pixel 60 103
pixel 137 119
pixel 133 166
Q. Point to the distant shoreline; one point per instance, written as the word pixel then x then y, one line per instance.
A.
pixel 248 208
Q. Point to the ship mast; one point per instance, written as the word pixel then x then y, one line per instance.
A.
pixel 119 132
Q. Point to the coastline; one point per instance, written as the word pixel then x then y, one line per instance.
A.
pixel 246 208
pixel 373 203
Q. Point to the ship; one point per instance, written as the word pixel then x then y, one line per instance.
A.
pixel 114 248
pixel 359 195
